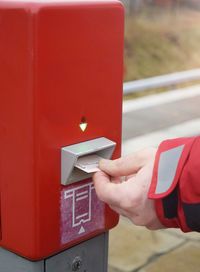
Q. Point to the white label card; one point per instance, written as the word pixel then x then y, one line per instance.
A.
pixel 89 163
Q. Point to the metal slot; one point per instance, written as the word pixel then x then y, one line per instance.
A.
pixel 103 147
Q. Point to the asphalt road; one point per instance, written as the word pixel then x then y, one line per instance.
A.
pixel 144 121
pixel 151 123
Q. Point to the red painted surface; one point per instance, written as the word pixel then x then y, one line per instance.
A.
pixel 58 63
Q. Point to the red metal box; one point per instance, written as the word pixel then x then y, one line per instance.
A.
pixel 61 63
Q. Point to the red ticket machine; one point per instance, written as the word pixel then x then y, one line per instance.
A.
pixel 61 66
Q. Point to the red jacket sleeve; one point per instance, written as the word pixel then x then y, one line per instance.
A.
pixel 175 185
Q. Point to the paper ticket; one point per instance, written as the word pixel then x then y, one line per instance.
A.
pixel 89 163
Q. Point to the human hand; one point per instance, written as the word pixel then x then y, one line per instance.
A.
pixel 124 184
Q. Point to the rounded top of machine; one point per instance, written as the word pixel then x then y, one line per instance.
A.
pixel 58 1
pixel 37 4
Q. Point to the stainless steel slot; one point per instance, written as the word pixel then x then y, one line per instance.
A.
pixel 103 147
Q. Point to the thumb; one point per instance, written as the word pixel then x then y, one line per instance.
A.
pixel 128 165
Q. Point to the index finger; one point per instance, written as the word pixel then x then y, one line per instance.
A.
pixel 128 165
pixel 106 190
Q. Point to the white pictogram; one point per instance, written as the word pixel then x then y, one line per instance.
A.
pixel 82 230
pixel 81 207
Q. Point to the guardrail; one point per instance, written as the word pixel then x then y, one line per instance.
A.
pixel 161 81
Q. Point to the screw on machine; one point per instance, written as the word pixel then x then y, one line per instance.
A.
pixel 77 263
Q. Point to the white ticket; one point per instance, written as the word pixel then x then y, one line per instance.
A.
pixel 89 163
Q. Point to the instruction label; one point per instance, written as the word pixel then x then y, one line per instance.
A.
pixel 81 212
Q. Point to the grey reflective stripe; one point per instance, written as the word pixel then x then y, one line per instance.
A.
pixel 167 168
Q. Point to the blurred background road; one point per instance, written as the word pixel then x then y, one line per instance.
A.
pixel 161 37
pixel 149 120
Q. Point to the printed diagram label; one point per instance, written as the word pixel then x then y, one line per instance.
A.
pixel 81 208
pixel 81 212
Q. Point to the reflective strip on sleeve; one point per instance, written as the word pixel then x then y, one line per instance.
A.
pixel 167 168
